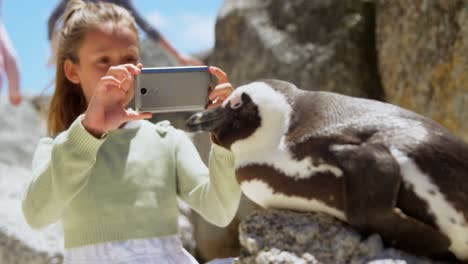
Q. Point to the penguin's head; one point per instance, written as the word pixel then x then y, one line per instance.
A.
pixel 254 116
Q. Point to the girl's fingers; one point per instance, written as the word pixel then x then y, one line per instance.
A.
pixel 140 66
pixel 215 104
pixel 108 81
pixel 133 115
pixel 134 69
pixel 120 73
pixel 111 89
pixel 220 96
pixel 223 86
pixel 221 90
pixel 217 101
pixel 220 75
pixel 124 71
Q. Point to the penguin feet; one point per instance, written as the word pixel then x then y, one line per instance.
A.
pixel 403 232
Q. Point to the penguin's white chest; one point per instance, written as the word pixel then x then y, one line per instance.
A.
pixel 282 161
pixel 264 195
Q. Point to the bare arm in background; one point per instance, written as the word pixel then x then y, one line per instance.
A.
pixel 150 30
pixel 154 34
pixel 54 17
pixel 9 65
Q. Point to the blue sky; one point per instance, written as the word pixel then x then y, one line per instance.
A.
pixel 187 24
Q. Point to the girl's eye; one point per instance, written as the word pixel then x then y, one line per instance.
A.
pixel 103 60
pixel 130 59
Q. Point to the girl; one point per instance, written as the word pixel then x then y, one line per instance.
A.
pixel 111 177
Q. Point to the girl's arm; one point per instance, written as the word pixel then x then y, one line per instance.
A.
pixel 61 168
pixel 214 193
pixel 10 63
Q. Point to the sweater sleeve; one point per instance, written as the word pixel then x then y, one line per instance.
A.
pixel 61 168
pixel 214 193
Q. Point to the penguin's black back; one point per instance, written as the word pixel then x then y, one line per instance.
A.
pixel 339 119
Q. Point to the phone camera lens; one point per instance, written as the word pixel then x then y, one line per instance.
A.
pixel 143 91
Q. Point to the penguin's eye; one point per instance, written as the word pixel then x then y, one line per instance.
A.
pixel 235 102
pixel 236 105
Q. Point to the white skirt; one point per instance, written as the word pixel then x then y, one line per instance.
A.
pixel 165 250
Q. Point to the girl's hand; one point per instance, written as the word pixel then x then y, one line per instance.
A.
pixel 221 91
pixel 106 108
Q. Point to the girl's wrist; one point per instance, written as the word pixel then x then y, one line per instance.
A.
pixel 96 132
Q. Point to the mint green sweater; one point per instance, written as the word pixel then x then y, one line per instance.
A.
pixel 126 185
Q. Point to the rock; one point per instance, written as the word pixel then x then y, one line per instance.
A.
pixel 282 236
pixel 422 49
pixel 19 134
pixel 152 55
pixel 14 251
pixel 221 261
pixel 41 105
pixel 20 131
pixel 216 242
pixel 186 228
pixel 317 45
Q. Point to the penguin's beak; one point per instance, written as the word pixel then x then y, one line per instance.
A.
pixel 208 120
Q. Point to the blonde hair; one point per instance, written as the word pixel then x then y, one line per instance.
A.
pixel 68 100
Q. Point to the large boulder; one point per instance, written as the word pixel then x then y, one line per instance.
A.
pixel 152 55
pixel 19 134
pixel 422 50
pixel 317 45
pixel 282 236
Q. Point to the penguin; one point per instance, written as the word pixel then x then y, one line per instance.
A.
pixel 380 168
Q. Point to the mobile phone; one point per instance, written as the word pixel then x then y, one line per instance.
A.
pixel 172 89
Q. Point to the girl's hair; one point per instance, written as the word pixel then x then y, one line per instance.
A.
pixel 68 100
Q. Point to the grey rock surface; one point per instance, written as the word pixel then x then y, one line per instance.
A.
pixel 20 131
pixel 422 50
pixel 152 55
pixel 282 236
pixel 317 45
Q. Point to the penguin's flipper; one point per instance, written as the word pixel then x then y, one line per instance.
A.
pixel 371 185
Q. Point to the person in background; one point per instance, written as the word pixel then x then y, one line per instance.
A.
pixel 150 31
pixel 9 65
pixel 112 178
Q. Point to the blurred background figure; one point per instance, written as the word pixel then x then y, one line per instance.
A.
pixel 9 65
pixel 150 31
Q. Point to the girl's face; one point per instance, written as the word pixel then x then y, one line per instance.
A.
pixel 103 46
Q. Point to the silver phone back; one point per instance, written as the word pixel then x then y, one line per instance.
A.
pixel 172 89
